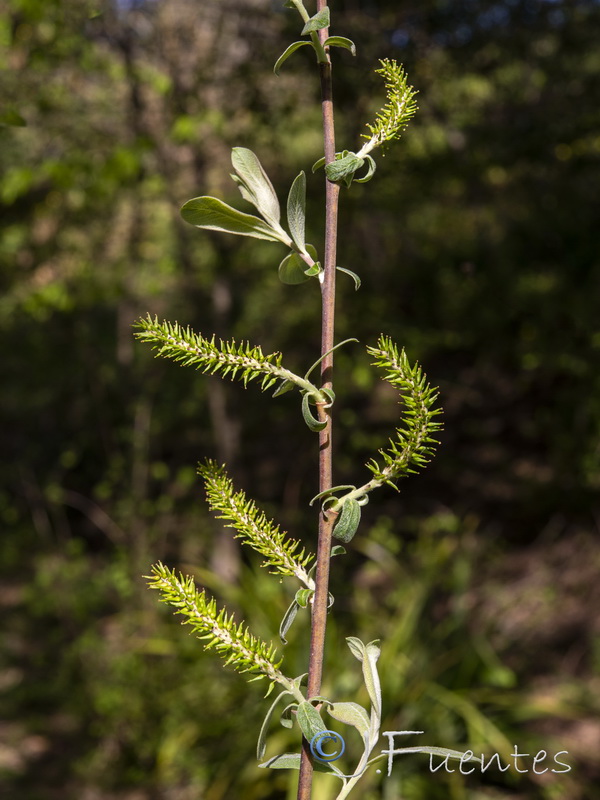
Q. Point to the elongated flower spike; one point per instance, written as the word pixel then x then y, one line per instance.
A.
pixel 414 443
pixel 217 627
pixel 411 448
pixel 391 120
pixel 399 109
pixel 227 358
pixel 283 555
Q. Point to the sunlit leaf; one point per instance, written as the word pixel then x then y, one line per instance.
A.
pixel 340 41
pixel 215 215
pixel 256 181
pixel 368 655
pixel 351 714
pixel 286 718
pixel 317 22
pixel 353 275
pixel 292 761
pixel 343 168
pixel 284 386
pixel 262 736
pixel 296 210
pixel 309 720
pixel 288 619
pixel 287 53
pixel 303 596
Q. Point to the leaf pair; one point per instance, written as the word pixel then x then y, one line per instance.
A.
pixel 312 25
pixel 331 41
pixel 255 187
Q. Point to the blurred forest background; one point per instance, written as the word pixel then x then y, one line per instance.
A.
pixel 477 243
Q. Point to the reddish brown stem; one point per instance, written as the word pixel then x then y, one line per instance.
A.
pixel 321 597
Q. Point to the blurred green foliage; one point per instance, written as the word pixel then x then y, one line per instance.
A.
pixel 477 246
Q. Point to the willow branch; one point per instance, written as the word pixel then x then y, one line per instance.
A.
pixel 320 601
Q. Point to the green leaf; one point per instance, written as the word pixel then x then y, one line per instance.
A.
pixel 296 211
pixel 317 22
pixel 319 698
pixel 303 596
pixel 284 761
pixel 368 655
pixel 287 53
pixel 373 651
pixel 332 490
pixel 343 168
pixel 340 41
pixel 318 164
pixel 372 166
pixel 348 521
pixel 316 267
pixel 338 550
pixel 288 619
pixel 284 386
pixel 259 189
pixel 313 423
pixel 292 761
pixel 215 215
pixel 292 270
pixel 352 714
pixel 309 720
pixel 329 394
pixel 331 350
pixel 262 736
pixel 314 270
pixel 353 275
pixel 286 715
